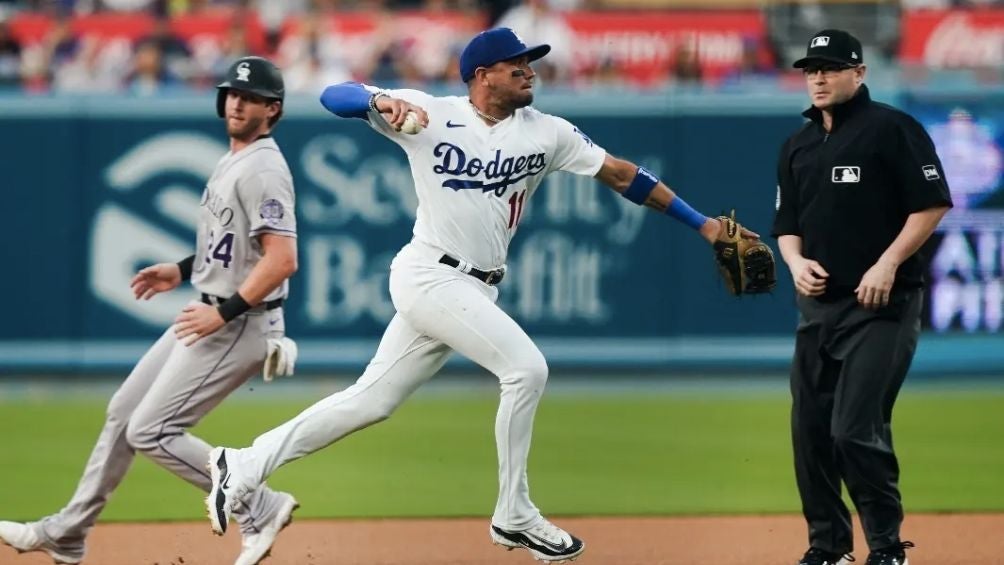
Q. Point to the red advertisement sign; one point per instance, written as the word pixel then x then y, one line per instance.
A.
pixel 646 44
pixel 644 47
pixel 954 38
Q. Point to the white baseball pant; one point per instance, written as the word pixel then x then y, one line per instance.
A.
pixel 439 310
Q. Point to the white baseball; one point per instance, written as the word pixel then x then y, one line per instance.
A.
pixel 411 125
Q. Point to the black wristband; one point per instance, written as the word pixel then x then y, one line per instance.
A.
pixel 233 307
pixel 186 267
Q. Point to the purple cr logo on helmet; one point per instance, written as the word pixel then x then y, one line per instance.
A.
pixel 490 47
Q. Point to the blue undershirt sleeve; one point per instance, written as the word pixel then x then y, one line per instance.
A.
pixel 347 100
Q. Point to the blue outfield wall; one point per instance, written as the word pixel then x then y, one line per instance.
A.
pixel 96 188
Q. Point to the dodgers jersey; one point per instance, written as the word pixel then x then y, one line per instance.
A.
pixel 474 180
pixel 249 193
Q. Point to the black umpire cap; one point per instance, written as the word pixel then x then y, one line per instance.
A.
pixel 256 75
pixel 832 46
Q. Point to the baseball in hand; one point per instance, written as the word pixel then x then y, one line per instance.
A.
pixel 411 125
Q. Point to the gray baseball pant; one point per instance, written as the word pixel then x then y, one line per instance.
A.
pixel 170 390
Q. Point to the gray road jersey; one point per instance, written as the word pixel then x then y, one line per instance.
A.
pixel 249 193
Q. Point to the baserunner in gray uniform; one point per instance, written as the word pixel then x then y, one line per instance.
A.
pixel 246 252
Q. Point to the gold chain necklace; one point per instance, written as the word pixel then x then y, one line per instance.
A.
pixel 492 119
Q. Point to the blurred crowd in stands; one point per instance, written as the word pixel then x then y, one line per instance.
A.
pixel 149 46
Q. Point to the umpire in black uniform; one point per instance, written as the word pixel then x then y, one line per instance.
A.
pixel 860 189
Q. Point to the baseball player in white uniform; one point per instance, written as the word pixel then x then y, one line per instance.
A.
pixel 476 161
pixel 246 251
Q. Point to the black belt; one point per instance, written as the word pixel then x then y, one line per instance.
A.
pixel 216 301
pixel 491 278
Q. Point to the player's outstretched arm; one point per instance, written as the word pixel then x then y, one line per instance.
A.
pixel 642 187
pixel 353 100
pixel 277 264
pixel 645 189
pixel 161 277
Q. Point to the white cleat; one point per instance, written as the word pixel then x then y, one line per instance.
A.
pixel 226 491
pixel 256 547
pixel 29 537
pixel 545 542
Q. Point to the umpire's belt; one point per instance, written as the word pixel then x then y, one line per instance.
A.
pixel 488 277
pixel 216 301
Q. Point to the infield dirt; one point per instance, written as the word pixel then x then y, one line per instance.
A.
pixel 942 539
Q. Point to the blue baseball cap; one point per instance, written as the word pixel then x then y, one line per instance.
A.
pixel 490 47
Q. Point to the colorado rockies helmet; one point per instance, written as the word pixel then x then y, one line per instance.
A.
pixel 251 74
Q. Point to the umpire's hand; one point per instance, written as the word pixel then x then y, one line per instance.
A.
pixel 810 277
pixel 876 285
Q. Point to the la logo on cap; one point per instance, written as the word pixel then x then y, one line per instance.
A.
pixel 821 41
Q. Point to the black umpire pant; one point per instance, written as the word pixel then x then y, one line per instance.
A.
pixel 848 368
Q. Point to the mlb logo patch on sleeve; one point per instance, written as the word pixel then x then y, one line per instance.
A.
pixel 931 172
pixel 846 174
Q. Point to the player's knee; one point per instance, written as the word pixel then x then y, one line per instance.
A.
pixel 536 376
pixel 116 415
pixel 119 410
pixel 379 411
pixel 140 435
pixel 530 374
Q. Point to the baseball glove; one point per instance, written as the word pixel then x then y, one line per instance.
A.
pixel 746 264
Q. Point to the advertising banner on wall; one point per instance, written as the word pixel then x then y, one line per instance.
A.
pixel 967 252
pixel 585 266
pixel 643 46
pixel 971 38
pixel 647 45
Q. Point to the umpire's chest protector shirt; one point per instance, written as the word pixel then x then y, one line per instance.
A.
pixel 847 192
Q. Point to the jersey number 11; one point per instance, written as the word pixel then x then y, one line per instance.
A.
pixel 515 208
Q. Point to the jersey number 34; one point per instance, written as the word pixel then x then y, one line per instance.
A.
pixel 223 250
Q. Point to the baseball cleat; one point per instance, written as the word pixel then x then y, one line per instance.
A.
pixel 226 491
pixel 893 555
pixel 816 556
pixel 544 541
pixel 257 546
pixel 29 537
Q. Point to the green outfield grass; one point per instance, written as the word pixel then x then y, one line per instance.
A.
pixel 644 453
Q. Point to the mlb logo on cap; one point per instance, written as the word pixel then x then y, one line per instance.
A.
pixel 832 46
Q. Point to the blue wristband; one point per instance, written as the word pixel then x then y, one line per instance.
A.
pixel 348 100
pixel 683 212
pixel 641 186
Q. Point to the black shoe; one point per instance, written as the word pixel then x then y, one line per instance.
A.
pixel 893 555
pixel 816 556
